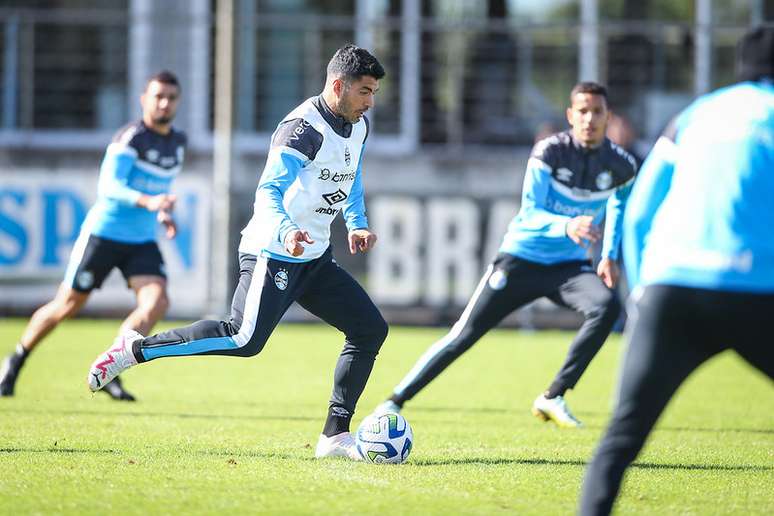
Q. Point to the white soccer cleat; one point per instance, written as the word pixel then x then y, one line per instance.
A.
pixel 117 359
pixel 554 409
pixel 339 445
pixel 387 407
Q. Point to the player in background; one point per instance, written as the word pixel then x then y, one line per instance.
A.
pixel 313 172
pixel 699 253
pixel 120 230
pixel 572 179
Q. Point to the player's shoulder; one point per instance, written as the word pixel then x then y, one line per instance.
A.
pixel 621 159
pixel 129 133
pixel 298 134
pixel 177 137
pixel 547 149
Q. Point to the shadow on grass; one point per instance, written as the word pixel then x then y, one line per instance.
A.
pixel 53 450
pixel 102 413
pixel 495 461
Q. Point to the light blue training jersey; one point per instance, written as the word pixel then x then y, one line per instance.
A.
pixel 138 161
pixel 702 212
pixel 563 180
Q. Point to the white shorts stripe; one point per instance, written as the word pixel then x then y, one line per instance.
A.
pixel 252 303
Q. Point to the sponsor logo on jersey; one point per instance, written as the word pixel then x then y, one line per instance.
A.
pixel 334 197
pixel 281 279
pixel 498 280
pixel 336 177
pixel 604 180
pixel 327 211
pixel 85 279
pixel 298 131
pixel 347 157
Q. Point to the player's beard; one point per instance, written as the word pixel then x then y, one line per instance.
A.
pixel 162 120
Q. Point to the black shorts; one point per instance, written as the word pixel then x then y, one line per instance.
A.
pixel 92 261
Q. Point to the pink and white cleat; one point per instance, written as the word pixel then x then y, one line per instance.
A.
pixel 117 359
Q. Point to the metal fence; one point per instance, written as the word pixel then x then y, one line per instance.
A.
pixel 462 75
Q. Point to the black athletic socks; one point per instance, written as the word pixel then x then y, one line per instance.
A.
pixel 397 400
pixel 555 390
pixel 115 390
pixel 338 421
pixel 9 369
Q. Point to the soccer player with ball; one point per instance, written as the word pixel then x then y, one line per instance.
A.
pixel 313 172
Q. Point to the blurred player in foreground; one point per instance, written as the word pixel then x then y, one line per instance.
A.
pixel 699 253
pixel 573 178
pixel 120 229
pixel 312 173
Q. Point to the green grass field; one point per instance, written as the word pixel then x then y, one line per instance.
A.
pixel 226 435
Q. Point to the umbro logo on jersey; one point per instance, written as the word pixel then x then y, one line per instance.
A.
pixel 564 174
pixel 334 197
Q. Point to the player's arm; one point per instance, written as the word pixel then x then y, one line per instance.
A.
pixel 281 170
pixel 294 144
pixel 360 237
pixel 114 175
pixel 536 215
pixel 649 191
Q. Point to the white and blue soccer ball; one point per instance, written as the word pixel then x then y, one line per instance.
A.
pixel 384 438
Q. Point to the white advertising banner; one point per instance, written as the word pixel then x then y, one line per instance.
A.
pixel 40 217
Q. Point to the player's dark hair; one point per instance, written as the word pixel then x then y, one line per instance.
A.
pixel 592 88
pixel 353 62
pixel 164 77
pixel 755 54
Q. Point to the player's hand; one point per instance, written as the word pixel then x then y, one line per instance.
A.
pixel 582 231
pixel 361 240
pixel 160 202
pixel 293 241
pixel 609 272
pixel 164 217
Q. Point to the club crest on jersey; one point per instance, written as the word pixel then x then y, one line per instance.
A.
pixel 85 279
pixel 498 280
pixel 604 180
pixel 347 157
pixel 281 279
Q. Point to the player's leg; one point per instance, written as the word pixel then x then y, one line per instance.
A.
pixel 753 336
pixel 671 336
pixel 258 304
pixel 507 284
pixel 336 298
pixel 66 304
pixel 90 262
pixel 143 269
pixel 584 292
pixel 152 303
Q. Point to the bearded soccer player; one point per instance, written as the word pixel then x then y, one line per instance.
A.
pixel 120 230
pixel 313 172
